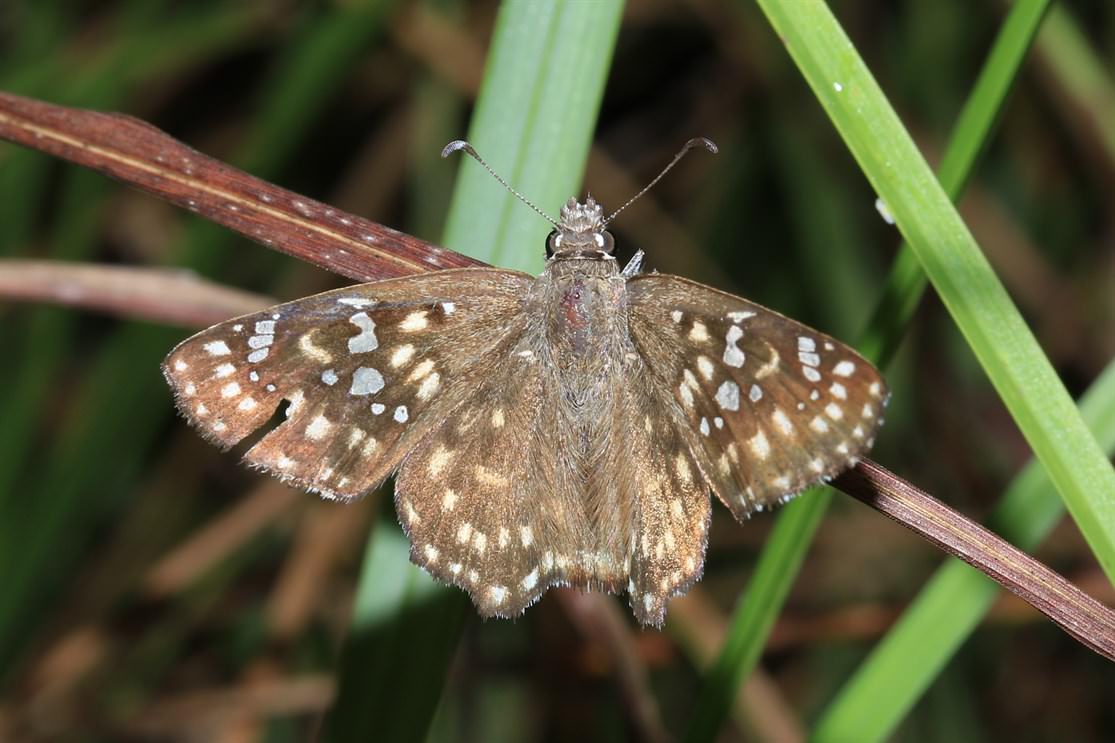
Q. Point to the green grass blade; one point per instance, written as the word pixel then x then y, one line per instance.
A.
pixel 549 69
pixel 1083 74
pixel 977 301
pixel 533 122
pixel 901 667
pixel 792 534
pixel 970 136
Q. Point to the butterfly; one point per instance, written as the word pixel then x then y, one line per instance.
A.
pixel 564 429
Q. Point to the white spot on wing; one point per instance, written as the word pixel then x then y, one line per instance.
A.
pixel 438 460
pixel 414 322
pixel 759 445
pixel 401 414
pixel 318 428
pixel 686 395
pixel 782 422
pixel 844 369
pixel 402 355
pixel 728 395
pixel 733 356
pixel 217 348
pixel 366 340
pixel 315 352
pixel 356 302
pixel 366 380
pixel 704 366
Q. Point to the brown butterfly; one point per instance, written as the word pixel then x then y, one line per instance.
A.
pixel 564 429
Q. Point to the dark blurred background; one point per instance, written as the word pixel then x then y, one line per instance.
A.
pixel 151 588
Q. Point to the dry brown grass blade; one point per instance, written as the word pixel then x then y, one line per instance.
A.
pixel 170 296
pixel 195 715
pixel 219 538
pixel 759 707
pixel 1080 615
pixel 142 156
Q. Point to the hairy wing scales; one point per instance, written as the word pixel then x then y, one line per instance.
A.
pixel 486 499
pixel 657 474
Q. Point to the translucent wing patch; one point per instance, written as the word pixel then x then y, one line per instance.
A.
pixel 769 406
pixel 367 371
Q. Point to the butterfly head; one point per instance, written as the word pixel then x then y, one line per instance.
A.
pixel 580 233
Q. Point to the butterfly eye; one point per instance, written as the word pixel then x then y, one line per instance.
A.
pixel 553 243
pixel 604 241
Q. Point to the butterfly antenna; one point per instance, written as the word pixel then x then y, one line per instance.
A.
pixel 695 142
pixel 458 145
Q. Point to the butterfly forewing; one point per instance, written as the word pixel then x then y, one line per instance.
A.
pixel 367 372
pixel 770 406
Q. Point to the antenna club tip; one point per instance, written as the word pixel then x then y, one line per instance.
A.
pixel 705 142
pixel 456 146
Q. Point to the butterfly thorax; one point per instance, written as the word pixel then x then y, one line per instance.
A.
pixel 580 301
pixel 582 305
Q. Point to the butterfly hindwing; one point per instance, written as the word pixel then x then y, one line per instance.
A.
pixel 485 499
pixel 366 370
pixel 769 405
pixel 655 472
